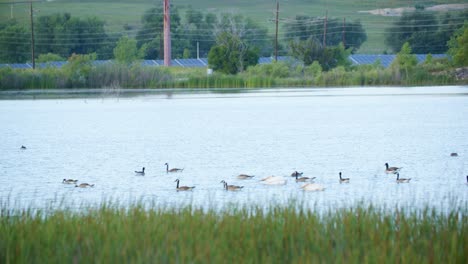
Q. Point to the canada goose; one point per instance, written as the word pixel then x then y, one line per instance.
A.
pixel 231 187
pixel 401 180
pixel 245 176
pixel 274 180
pixel 142 172
pixel 343 180
pixel 84 185
pixel 173 169
pixel 391 170
pixel 454 154
pixel 312 187
pixel 23 147
pixel 296 173
pixel 69 181
pixel 183 188
pixel 303 179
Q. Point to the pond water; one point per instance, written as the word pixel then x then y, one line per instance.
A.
pixel 103 139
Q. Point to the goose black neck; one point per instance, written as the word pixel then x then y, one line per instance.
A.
pixel 177 183
pixel 340 176
pixel 386 166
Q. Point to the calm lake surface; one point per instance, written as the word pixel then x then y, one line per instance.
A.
pixel 103 138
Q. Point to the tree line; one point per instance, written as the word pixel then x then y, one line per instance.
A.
pixel 232 42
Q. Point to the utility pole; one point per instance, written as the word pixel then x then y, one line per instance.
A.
pixel 343 34
pixel 276 35
pixel 32 35
pixel 167 33
pixel 325 30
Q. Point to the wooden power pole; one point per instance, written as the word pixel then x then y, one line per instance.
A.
pixel 344 32
pixel 32 35
pixel 276 35
pixel 167 33
pixel 325 30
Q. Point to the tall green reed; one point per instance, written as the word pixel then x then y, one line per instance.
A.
pixel 113 233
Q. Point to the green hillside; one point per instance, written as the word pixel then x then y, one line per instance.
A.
pixel 120 13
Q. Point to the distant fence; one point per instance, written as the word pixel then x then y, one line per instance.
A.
pixel 356 59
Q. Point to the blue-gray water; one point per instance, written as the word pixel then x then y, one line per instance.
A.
pixel 215 136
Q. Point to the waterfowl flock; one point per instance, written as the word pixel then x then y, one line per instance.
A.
pixel 270 180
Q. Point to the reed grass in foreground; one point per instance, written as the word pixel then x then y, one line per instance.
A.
pixel 111 234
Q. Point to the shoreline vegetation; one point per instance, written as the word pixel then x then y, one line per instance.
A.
pixel 239 234
pixel 279 74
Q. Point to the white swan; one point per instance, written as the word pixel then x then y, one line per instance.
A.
pixel 312 187
pixel 274 180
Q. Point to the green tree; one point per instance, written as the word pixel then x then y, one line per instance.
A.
pixel 422 30
pixel 64 35
pixel 198 30
pixel 305 27
pixel 78 69
pixel 126 50
pixel 459 46
pixel 311 50
pixel 231 55
pixel 15 43
pixel 151 34
pixel 246 29
pixel 49 57
pixel 405 60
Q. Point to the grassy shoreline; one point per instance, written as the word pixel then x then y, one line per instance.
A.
pixel 281 74
pixel 241 234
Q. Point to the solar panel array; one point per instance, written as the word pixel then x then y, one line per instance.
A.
pixel 386 60
pixel 356 59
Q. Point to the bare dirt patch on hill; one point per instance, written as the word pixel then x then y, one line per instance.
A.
pixel 399 11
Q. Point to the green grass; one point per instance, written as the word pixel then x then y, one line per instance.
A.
pixel 116 76
pixel 116 234
pixel 119 13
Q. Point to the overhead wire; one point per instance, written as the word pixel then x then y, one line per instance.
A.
pixel 202 32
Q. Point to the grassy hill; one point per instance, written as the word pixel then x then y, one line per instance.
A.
pixel 118 13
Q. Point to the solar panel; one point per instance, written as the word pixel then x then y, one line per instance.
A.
pixel 149 63
pixel 363 59
pixel 20 66
pixel 191 63
pixel 264 60
pixel 356 59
